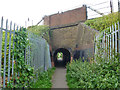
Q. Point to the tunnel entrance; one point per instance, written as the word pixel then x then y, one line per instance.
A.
pixel 61 57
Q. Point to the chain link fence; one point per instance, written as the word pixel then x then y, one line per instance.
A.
pixel 38 53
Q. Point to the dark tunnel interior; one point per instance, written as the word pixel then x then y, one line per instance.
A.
pixel 66 57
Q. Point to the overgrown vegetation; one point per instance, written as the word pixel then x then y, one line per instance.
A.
pixel 7 52
pixel 40 30
pixel 104 22
pixel 44 79
pixel 102 72
pixel 93 75
pixel 23 74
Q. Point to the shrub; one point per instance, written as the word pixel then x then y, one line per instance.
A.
pixel 104 22
pixel 41 30
pixel 44 79
pixel 96 75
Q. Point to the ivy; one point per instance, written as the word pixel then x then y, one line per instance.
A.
pixel 23 74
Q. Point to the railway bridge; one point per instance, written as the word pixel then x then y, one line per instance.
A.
pixel 70 36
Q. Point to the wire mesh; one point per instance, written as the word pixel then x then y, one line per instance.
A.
pixel 39 53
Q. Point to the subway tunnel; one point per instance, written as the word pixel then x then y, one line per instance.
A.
pixel 61 62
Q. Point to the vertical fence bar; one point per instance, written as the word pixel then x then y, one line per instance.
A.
pixel 110 42
pixel 16 44
pixel 17 28
pixel 13 51
pixel 108 46
pixel 119 39
pixel 1 50
pixel 104 44
pixel 5 51
pixel 25 55
pixel 115 39
pixel 95 47
pixel 9 52
pixel 16 73
pixel 29 56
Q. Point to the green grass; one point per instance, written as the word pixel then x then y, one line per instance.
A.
pixel 44 79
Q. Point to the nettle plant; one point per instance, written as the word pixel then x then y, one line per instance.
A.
pixel 23 74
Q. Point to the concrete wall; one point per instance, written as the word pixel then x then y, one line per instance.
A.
pixel 64 18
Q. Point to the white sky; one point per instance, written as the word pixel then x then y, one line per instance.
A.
pixel 19 10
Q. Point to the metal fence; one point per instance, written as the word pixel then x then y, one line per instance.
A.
pixel 107 43
pixel 36 54
pixel 39 53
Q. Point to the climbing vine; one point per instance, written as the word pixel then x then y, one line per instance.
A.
pixel 23 74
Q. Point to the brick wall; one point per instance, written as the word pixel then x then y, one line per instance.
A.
pixel 68 37
pixel 68 17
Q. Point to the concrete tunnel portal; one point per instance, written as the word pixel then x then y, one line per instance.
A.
pixel 66 57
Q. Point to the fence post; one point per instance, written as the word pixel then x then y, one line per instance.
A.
pixel 9 52
pixel 110 43
pixel 104 44
pixel 1 50
pixel 94 48
pixel 5 51
pixel 115 39
pixel 119 38
pixel 13 51
pixel 44 58
pixel 108 47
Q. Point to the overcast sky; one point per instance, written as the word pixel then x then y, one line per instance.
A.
pixel 20 10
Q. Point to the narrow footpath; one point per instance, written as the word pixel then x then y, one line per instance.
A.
pixel 59 78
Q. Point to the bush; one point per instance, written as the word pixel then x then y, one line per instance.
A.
pixel 104 22
pixel 86 75
pixel 44 79
pixel 41 30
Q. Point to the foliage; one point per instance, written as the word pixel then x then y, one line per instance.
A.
pixel 93 75
pixel 104 22
pixel 41 30
pixel 60 55
pixel 23 74
pixel 44 79
pixel 7 52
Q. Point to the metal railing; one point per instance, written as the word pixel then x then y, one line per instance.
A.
pixel 109 42
pixel 37 53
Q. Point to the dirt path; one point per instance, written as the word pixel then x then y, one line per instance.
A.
pixel 59 78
